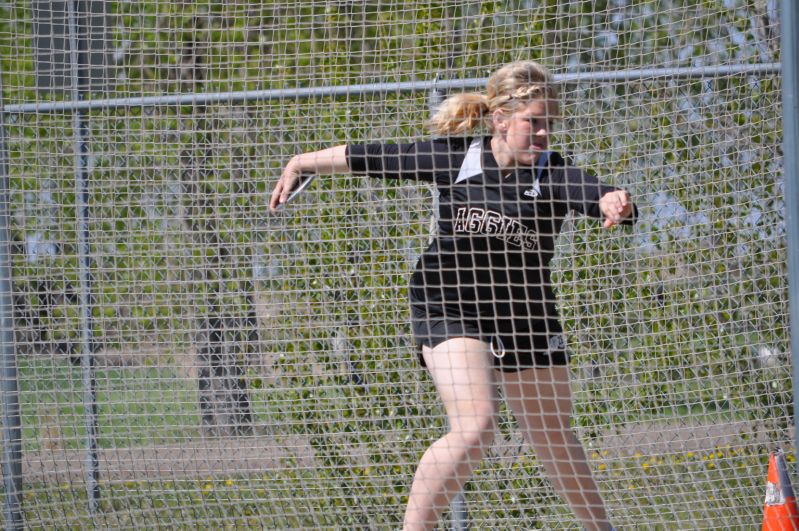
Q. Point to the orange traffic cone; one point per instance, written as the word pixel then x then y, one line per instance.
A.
pixel 779 512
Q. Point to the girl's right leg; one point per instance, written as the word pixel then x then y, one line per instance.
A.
pixel 463 374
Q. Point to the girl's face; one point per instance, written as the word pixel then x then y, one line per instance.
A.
pixel 526 132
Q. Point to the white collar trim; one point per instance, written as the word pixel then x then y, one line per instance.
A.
pixel 472 163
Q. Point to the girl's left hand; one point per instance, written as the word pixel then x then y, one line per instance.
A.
pixel 615 206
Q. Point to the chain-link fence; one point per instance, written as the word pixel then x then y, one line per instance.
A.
pixel 185 358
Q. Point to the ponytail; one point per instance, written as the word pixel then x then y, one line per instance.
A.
pixel 459 114
pixel 508 88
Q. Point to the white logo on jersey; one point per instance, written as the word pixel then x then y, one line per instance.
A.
pixel 557 342
pixel 533 192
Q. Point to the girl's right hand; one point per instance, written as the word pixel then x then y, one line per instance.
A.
pixel 286 183
pixel 325 162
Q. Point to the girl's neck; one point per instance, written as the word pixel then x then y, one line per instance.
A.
pixel 501 153
pixel 505 160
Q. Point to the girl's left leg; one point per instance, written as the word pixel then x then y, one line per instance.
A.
pixel 541 401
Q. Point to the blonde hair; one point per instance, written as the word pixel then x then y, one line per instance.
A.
pixel 509 88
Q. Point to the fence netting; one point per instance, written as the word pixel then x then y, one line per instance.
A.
pixel 255 369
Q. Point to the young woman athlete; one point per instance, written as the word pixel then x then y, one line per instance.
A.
pixel 482 306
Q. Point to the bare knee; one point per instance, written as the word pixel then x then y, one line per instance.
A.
pixel 476 430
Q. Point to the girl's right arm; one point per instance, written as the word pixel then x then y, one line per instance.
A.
pixel 326 162
pixel 416 160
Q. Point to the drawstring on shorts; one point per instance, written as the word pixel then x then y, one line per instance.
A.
pixel 497 347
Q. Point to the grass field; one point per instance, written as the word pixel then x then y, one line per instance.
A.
pixel 136 405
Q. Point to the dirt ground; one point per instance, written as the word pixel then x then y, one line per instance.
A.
pixel 199 458
pixel 221 457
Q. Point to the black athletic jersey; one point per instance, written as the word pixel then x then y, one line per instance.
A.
pixel 496 236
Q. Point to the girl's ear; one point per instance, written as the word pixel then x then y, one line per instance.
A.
pixel 499 121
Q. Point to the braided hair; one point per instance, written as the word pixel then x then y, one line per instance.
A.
pixel 509 88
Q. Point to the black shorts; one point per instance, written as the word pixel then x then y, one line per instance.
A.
pixel 515 343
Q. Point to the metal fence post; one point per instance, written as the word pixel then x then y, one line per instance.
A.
pixel 78 71
pixel 9 386
pixel 790 153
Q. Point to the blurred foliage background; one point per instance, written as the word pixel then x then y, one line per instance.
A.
pixel 213 318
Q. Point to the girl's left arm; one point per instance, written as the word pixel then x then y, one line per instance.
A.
pixel 583 192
